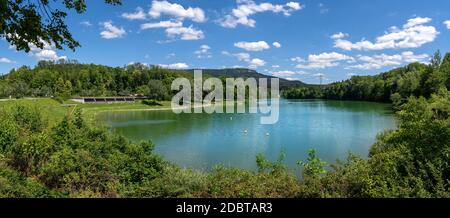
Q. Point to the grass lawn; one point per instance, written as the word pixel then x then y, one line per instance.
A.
pixel 54 111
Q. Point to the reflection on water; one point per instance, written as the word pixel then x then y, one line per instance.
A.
pixel 201 141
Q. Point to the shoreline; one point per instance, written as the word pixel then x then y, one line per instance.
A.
pixel 164 108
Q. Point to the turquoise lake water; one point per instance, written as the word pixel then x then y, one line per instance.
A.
pixel 201 141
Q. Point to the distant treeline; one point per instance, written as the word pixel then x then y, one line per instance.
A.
pixel 395 86
pixel 70 78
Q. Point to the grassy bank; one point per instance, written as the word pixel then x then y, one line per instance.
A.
pixel 54 111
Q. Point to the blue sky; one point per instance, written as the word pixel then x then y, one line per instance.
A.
pixel 298 40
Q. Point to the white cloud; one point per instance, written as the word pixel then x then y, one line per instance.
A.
pixel 138 15
pixel 294 5
pixel 203 52
pixel 185 33
pixel 383 60
pixel 34 48
pixel 276 45
pixel 159 8
pixel 161 24
pixel 287 73
pixel 252 62
pixel 416 21
pixel 323 9
pixel 252 46
pixel 48 55
pixel 410 57
pixel 255 63
pixel 246 8
pixel 412 35
pixel 447 23
pixel 297 59
pixel 86 23
pixel 242 56
pixel 112 31
pixel 323 60
pixel 275 66
pixel 6 61
pixel 176 66
pixel 339 35
pixel 175 29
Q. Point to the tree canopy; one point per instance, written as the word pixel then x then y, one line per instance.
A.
pixel 39 22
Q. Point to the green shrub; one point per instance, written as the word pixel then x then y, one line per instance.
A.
pixel 151 102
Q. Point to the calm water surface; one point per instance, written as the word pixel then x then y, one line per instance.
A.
pixel 201 141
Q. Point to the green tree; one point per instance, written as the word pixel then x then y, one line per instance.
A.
pixel 313 166
pixel 157 90
pixel 27 23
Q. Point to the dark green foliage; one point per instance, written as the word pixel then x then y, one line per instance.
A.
pixel 151 103
pixel 64 79
pixel 157 90
pixel 74 158
pixel 233 182
pixel 25 24
pixel 313 166
pixel 15 185
pixel 412 161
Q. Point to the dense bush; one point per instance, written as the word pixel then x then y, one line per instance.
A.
pixel 151 102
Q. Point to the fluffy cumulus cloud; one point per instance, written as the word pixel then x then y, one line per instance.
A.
pixel 321 61
pixel 447 23
pixel 6 60
pixel 339 35
pixel 288 73
pixel 161 24
pixel 255 63
pixel 252 46
pixel 276 45
pixel 383 60
pixel 177 11
pixel 176 66
pixel 185 33
pixel 203 52
pixel 111 32
pixel 246 8
pixel 48 55
pixel 138 15
pixel 413 34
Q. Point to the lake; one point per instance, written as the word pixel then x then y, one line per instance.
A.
pixel 201 141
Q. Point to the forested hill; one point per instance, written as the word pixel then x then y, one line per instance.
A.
pixel 248 73
pixel 70 78
pixel 395 86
